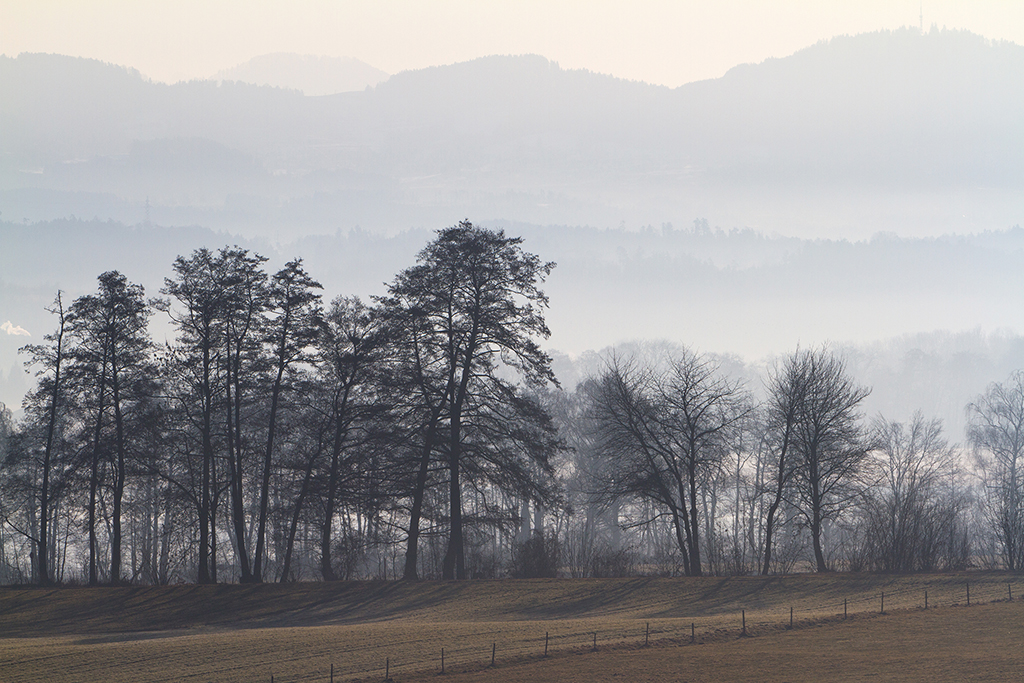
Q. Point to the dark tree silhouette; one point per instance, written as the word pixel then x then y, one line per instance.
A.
pixel 112 354
pixel 50 358
pixel 480 303
pixel 295 307
pixel 664 433
pixel 787 386
pixel 348 356
pixel 195 363
pixel 240 316
pixel 829 442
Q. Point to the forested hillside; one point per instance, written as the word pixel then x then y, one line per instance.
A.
pixel 887 299
pixel 916 133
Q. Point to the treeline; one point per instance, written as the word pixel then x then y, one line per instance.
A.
pixel 423 434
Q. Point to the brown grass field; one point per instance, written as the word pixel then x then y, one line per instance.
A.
pixel 295 633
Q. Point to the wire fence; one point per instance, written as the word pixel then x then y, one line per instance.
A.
pixel 378 651
pixel 493 647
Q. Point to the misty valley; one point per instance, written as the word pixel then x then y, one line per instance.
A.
pixel 508 371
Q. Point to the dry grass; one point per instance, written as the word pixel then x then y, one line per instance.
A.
pixel 247 633
pixel 938 646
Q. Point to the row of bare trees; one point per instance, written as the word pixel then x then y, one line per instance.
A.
pixel 276 438
pixel 707 479
pixel 423 434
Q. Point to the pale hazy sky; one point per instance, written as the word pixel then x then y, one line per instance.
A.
pixel 656 41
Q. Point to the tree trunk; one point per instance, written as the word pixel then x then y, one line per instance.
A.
pixel 454 559
pixel 769 528
pixel 94 477
pixel 235 467
pixel 695 563
pixel 166 527
pixel 44 494
pixel 286 567
pixel 326 566
pixel 261 533
pixel 214 504
pixel 418 494
pixel 819 556
pixel 203 569
pixel 119 479
pixel 678 525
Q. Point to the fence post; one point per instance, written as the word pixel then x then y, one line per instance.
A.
pixel 545 643
pixel 387 669
pixel 1009 591
pixel 442 660
pixel 882 611
pixel 744 613
pixel 968 593
pixel 647 634
pixel 332 672
pixel 844 608
pixel 595 641
pixel 693 632
pixel 926 599
pixel 494 648
pixel 791 617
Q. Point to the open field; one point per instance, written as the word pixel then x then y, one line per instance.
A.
pixel 943 645
pixel 246 633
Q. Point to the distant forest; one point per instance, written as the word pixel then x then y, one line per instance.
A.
pixel 283 435
pixel 927 322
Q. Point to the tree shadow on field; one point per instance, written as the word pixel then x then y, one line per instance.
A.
pixel 120 609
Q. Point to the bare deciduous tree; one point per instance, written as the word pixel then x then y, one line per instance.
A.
pixel 996 431
pixel 48 396
pixel 912 515
pixel 787 387
pixel 828 441
pixel 665 434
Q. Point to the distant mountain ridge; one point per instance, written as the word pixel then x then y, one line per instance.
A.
pixel 926 126
pixel 311 74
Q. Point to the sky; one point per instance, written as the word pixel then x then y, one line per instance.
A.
pixel 657 41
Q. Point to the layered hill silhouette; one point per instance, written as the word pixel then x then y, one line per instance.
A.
pixel 311 74
pixel 890 114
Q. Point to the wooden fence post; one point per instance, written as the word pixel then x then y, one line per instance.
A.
pixel 387 669
pixel 1009 591
pixel 545 643
pixel 744 613
pixel 494 649
pixel 926 599
pixel 332 672
pixel 791 617
pixel 595 641
pixel 442 660
pixel 647 635
pixel 844 608
pixel 968 593
pixel 693 632
pixel 882 611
